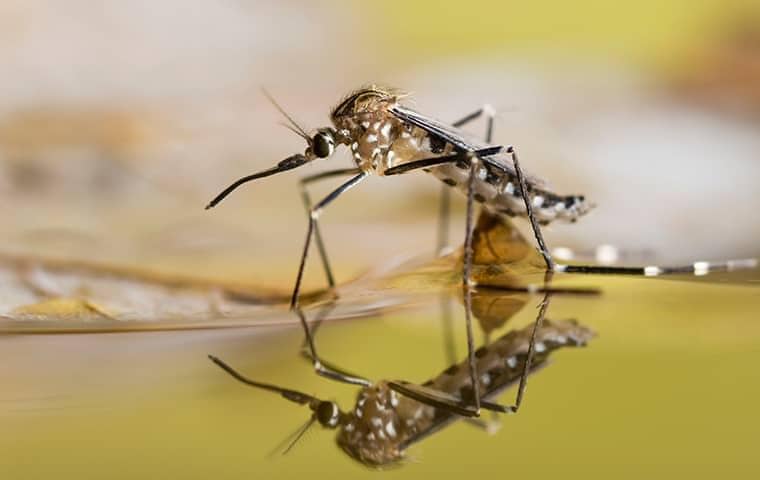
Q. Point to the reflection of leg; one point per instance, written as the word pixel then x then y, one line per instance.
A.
pixel 544 305
pixel 444 401
pixel 462 406
pixel 466 274
pixel 314 214
pixel 445 202
pixel 307 205
pixel 493 424
pixel 309 350
pixel 447 323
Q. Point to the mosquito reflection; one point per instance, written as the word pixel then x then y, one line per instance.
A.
pixel 389 416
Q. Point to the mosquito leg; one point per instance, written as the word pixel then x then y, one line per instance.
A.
pixel 486 110
pixel 443 231
pixel 306 198
pixel 323 368
pixel 444 212
pixel 471 345
pixel 529 209
pixel 466 280
pixel 436 161
pixel 317 322
pixel 445 202
pixel 473 159
pixel 470 117
pixel 696 268
pixel 444 401
pixel 307 349
pixel 452 404
pixel 314 214
pixel 543 306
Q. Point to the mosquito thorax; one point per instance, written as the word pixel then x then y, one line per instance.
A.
pixel 373 431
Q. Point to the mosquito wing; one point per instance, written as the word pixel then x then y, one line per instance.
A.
pixel 460 140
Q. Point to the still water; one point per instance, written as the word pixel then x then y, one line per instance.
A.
pixel 668 385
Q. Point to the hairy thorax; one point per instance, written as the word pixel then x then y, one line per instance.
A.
pixel 378 140
pixel 382 141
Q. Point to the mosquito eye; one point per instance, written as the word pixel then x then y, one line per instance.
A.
pixel 327 414
pixel 322 145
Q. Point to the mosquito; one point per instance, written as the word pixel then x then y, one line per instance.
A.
pixel 387 138
pixel 390 416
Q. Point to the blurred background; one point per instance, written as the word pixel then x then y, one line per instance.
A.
pixel 119 121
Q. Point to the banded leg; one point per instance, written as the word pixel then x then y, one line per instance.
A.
pixel 442 160
pixel 305 197
pixel 443 241
pixel 466 274
pixel 445 202
pixel 309 350
pixel 314 214
pixel 473 159
pixel 542 307
pixel 529 209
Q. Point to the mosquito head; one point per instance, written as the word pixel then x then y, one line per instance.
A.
pixel 327 413
pixel 322 144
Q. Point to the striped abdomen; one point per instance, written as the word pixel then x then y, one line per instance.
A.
pixel 501 362
pixel 500 193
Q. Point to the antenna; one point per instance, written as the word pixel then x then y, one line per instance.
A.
pixel 295 126
pixel 294 437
